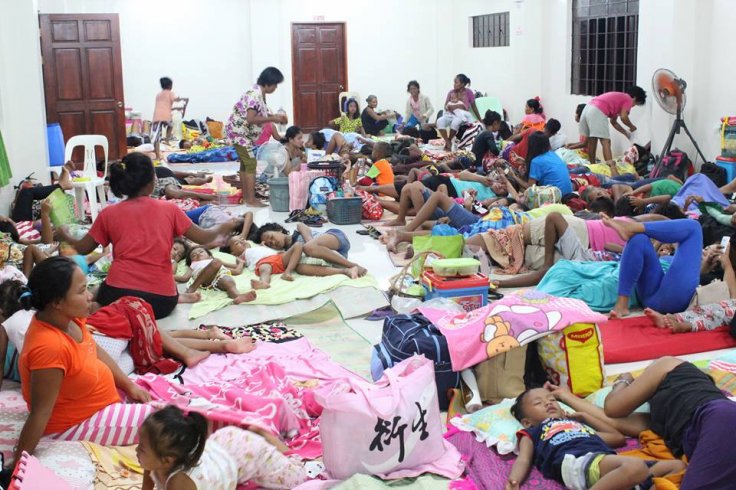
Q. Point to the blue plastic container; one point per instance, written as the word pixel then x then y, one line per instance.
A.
pixel 729 165
pixel 56 144
pixel 470 292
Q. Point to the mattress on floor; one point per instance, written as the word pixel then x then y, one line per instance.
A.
pixel 638 339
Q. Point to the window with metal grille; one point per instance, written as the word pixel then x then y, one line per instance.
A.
pixel 604 43
pixel 490 31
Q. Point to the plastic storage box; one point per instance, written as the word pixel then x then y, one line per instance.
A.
pixel 470 292
pixel 456 267
pixel 729 165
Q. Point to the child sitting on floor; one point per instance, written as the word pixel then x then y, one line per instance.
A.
pixel 175 452
pixel 208 272
pixel 575 448
pixel 381 173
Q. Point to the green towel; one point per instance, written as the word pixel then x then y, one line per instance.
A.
pixel 280 291
pixel 5 172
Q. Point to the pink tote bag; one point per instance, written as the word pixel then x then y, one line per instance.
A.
pixel 389 428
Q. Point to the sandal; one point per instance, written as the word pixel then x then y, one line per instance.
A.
pixel 294 216
pixel 313 221
pixel 373 232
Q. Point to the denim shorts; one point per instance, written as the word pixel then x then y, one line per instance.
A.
pixel 460 217
pixel 344 243
pixel 438 212
pixel 344 247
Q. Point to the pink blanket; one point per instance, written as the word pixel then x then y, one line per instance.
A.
pixel 272 388
pixel 515 320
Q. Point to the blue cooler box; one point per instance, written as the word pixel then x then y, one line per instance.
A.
pixel 729 165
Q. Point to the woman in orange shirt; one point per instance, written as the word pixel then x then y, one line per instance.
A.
pixel 70 384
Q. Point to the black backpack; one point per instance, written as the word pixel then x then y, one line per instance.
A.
pixel 715 173
pixel 675 163
pixel 406 335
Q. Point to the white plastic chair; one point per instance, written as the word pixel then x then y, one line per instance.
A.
pixel 343 96
pixel 92 184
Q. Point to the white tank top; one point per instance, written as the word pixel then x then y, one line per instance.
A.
pixel 217 470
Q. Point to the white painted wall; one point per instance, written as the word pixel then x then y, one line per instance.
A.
pixel 388 43
pixel 22 109
pixel 215 51
pixel 204 47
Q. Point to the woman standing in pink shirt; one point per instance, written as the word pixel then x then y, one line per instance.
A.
pixel 609 107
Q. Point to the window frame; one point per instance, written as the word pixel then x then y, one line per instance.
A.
pixel 604 46
pixel 490 30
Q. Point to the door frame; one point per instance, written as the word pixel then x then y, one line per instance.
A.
pixel 293 61
pixel 48 62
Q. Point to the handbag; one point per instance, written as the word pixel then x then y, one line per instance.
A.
pixel 371 209
pixel 391 425
pixel 215 128
pixel 446 247
pixel 537 196
pixel 715 292
pixel 574 357
pixel 501 376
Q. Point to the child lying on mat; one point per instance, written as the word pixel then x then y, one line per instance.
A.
pixel 203 270
pixel 266 261
pixel 175 452
pixel 575 448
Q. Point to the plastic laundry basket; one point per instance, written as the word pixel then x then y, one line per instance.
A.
pixel 279 193
pixel 345 210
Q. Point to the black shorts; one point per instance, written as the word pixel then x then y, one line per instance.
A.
pixel 162 305
pixel 431 182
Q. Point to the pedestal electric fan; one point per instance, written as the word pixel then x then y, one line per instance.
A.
pixel 669 90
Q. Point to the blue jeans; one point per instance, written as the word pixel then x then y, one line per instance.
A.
pixel 668 292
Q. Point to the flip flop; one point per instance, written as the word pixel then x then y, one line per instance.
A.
pixel 294 216
pixel 313 221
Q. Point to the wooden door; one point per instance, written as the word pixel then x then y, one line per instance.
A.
pixel 83 77
pixel 319 72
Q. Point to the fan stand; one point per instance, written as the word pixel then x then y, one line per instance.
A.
pixel 676 126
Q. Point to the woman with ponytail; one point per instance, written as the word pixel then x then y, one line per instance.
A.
pixel 175 452
pixel 69 384
pixel 534 117
pixel 141 231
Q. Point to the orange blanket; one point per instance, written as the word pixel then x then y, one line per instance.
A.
pixel 653 447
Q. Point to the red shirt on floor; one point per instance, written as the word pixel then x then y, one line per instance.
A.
pixel 141 231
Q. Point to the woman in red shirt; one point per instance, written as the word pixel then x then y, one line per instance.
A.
pixel 141 231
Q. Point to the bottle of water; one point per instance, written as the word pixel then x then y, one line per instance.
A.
pixel 281 127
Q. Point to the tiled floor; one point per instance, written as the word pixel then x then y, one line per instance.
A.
pixel 364 250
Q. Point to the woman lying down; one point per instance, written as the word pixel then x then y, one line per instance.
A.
pixel 687 410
